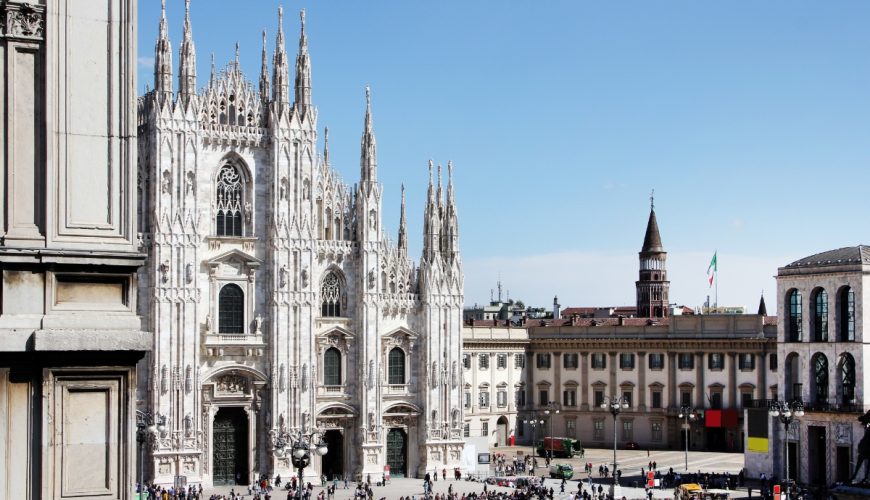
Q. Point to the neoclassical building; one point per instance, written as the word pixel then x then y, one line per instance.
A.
pixel 276 299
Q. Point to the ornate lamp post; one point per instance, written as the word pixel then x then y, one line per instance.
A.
pixel 615 405
pixel 787 413
pixel 550 411
pixel 147 429
pixel 300 445
pixel 688 413
pixel 534 423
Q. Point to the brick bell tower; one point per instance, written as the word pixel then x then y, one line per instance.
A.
pixel 652 284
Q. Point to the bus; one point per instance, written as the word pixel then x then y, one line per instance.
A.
pixel 560 446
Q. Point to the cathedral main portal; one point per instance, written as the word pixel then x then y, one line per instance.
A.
pixel 397 452
pixel 230 438
pixel 333 461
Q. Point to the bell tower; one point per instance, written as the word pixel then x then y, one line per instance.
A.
pixel 652 284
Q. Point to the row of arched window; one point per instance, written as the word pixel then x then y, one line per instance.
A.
pixel 818 324
pixel 820 379
pixel 332 367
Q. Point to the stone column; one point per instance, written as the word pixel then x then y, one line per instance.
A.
pixel 614 388
pixel 761 371
pixel 641 381
pixel 732 380
pixel 699 380
pixel 672 380
pixel 584 381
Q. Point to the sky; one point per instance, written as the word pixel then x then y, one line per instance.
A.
pixel 750 120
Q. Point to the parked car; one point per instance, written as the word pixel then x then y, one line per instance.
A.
pixel 561 471
pixel 632 445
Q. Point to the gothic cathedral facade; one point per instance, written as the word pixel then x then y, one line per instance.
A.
pixel 278 305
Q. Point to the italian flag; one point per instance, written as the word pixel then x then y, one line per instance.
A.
pixel 711 269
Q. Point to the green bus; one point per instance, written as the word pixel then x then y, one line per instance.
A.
pixel 559 446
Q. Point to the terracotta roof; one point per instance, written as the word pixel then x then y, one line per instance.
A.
pixel 652 242
pixel 847 255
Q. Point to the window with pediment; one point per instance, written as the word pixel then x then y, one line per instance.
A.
pixel 332 367
pixel 396 366
pixel 231 309
pixel 229 202
pixel 330 292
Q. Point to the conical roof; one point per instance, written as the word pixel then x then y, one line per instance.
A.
pixel 762 308
pixel 652 242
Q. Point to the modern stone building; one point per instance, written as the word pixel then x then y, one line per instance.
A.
pixel 277 300
pixel 70 336
pixel 822 346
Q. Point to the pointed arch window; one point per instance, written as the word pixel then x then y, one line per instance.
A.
pixel 847 378
pixel 794 316
pixel 229 201
pixel 332 367
pixel 846 314
pixel 231 309
pixel 330 291
pixel 820 378
pixel 820 315
pixel 396 366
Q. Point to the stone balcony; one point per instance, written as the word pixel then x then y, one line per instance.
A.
pixel 396 389
pixel 238 344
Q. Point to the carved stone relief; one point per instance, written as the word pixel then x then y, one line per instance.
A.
pixel 232 384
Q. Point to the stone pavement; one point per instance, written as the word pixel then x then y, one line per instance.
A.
pixel 630 461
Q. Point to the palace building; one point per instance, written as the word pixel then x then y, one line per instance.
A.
pixel 277 301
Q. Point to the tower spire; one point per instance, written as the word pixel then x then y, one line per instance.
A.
pixel 187 59
pixel 238 65
pixel 303 71
pixel 212 79
pixel 368 146
pixel 403 232
pixel 163 57
pixel 451 220
pixel 280 87
pixel 431 223
pixel 264 71
pixel 326 146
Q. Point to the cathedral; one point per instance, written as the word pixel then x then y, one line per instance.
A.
pixel 278 304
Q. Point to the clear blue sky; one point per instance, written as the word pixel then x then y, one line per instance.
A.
pixel 751 120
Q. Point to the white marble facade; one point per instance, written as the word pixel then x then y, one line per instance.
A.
pixel 276 299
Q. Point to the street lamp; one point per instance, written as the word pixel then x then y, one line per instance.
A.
pixel 550 411
pixel 147 429
pixel 688 413
pixel 534 423
pixel 787 413
pixel 615 405
pixel 300 444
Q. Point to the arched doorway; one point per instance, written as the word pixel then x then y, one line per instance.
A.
pixel 333 461
pixel 502 431
pixel 397 452
pixel 230 446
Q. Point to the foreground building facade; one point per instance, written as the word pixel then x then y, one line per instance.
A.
pixel 277 301
pixel 821 344
pixel 70 336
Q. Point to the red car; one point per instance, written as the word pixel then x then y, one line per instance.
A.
pixel 631 445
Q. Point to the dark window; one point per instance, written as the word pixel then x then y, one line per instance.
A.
pixel 599 398
pixel 229 202
pixel 656 399
pixel 543 360
pixel 747 361
pixel 715 361
pixel 686 398
pixel 820 315
pixel 746 399
pixel 846 314
pixel 332 367
pixel 521 397
pixel 519 360
pixel 656 361
pixel 847 374
pixel 330 292
pixel 686 361
pixel 716 400
pixel 599 360
pixel 466 361
pixel 570 360
pixel 626 395
pixel 483 361
pixel 773 361
pixel 543 397
pixel 820 377
pixel 569 397
pixel 231 310
pixel 626 361
pixel 396 366
pixel 794 317
pixel 501 361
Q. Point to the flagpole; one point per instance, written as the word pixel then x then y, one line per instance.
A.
pixel 716 277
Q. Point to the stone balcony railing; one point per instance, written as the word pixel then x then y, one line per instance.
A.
pixel 222 344
pixel 396 389
pixel 331 390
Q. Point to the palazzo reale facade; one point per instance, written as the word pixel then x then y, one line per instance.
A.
pixel 276 300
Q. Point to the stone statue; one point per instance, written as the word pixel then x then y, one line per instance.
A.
pixel 208 323
pixel 258 323
pixel 282 277
pixel 188 273
pixel 863 448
